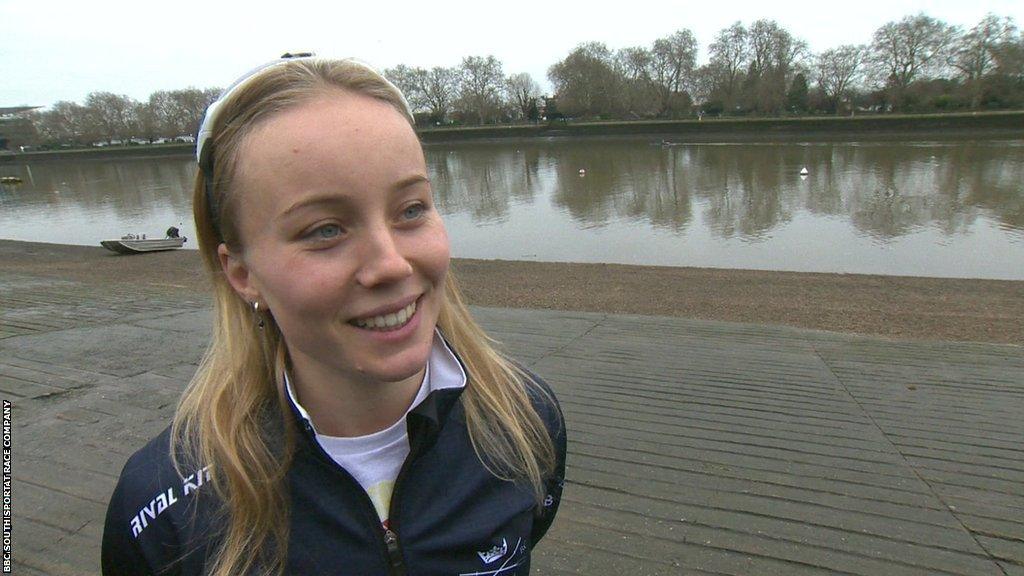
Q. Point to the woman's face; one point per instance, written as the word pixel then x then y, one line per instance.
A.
pixel 341 241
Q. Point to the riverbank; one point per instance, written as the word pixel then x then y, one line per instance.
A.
pixel 890 306
pixel 982 125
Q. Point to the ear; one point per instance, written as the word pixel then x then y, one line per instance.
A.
pixel 237 272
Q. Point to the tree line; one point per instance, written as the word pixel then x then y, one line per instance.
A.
pixel 915 64
pixel 105 117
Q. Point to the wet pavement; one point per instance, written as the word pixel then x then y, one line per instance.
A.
pixel 696 447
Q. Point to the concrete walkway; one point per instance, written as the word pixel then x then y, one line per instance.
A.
pixel 695 447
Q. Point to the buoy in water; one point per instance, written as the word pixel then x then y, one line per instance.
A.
pixel 583 172
pixel 803 171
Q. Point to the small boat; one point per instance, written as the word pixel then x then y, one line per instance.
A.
pixel 132 244
pixel 10 180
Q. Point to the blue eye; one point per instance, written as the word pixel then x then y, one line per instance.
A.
pixel 413 212
pixel 326 232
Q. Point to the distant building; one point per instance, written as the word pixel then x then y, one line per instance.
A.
pixel 16 130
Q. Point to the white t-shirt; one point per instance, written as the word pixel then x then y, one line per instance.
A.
pixel 374 460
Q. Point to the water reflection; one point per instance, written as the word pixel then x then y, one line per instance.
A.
pixel 127 187
pixel 632 181
pixel 944 186
pixel 483 181
pixel 81 202
pixel 884 190
pixel 749 190
pixel 950 208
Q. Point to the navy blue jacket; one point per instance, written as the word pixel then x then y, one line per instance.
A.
pixel 449 515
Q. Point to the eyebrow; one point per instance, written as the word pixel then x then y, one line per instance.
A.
pixel 344 201
pixel 410 181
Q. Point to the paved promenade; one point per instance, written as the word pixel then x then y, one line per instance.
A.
pixel 696 447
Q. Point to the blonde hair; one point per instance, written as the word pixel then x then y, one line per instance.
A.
pixel 233 417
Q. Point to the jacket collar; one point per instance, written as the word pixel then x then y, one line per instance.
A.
pixel 446 377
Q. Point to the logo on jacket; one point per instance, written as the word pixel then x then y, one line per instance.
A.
pixel 511 558
pixel 166 499
pixel 495 553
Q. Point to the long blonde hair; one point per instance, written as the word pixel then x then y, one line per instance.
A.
pixel 233 417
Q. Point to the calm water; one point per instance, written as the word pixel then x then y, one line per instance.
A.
pixel 952 209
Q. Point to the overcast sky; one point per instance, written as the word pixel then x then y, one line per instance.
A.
pixel 61 50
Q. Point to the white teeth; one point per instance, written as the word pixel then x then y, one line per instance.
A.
pixel 388 321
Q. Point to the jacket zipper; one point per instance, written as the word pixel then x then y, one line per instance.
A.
pixel 393 554
pixel 396 566
pixel 396 561
pixel 389 535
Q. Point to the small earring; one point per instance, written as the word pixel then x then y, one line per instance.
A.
pixel 257 315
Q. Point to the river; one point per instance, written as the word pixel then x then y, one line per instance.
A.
pixel 941 209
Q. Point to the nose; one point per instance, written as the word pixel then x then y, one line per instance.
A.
pixel 382 259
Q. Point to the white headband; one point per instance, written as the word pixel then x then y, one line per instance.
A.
pixel 210 118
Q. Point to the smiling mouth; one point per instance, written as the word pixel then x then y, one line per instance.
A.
pixel 387 322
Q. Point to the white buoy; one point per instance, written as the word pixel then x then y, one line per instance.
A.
pixel 803 171
pixel 583 172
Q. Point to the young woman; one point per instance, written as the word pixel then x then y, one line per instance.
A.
pixel 349 416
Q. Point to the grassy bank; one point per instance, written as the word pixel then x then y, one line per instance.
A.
pixel 982 125
pixel 137 151
pixel 995 125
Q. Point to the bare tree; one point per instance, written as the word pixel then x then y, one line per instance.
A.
pixel 729 57
pixel 774 58
pixel 1010 58
pixel 193 103
pixel 837 70
pixel 112 114
pixel 671 70
pixel 433 90
pixel 762 39
pixel 633 63
pixel 481 81
pixel 147 121
pixel 178 112
pixel 973 54
pixel 440 89
pixel 905 50
pixel 164 114
pixel 523 92
pixel 64 123
pixel 409 81
pixel 637 96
